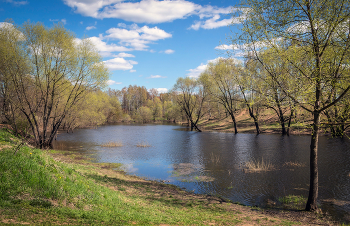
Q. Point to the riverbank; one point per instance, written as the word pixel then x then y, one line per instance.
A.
pixel 268 123
pixel 57 187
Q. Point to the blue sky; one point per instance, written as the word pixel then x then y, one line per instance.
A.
pixel 143 42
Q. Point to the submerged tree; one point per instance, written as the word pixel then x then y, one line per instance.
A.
pixel 221 79
pixel 191 95
pixel 46 71
pixel 316 34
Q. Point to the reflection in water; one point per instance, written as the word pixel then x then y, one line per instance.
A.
pixel 213 163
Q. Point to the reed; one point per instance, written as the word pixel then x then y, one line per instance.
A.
pixel 294 164
pixel 143 145
pixel 112 144
pixel 257 166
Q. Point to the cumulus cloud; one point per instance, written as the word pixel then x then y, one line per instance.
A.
pixel 195 73
pixel 90 28
pixel 119 63
pixel 144 11
pixel 136 37
pixel 107 49
pixel 169 51
pixel 156 76
pixel 19 35
pixel 132 71
pixel 155 11
pixel 124 55
pixel 111 82
pixel 162 90
pixel 214 15
pixel 228 47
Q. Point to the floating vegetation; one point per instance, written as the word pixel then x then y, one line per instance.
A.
pixel 183 169
pixel 294 164
pixel 257 166
pixel 184 173
pixel 112 144
pixel 143 145
pixel 204 178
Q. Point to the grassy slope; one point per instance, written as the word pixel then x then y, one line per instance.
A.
pixel 268 123
pixel 45 187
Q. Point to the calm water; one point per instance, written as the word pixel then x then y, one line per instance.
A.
pixel 213 163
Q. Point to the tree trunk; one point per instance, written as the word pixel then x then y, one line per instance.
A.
pixel 289 121
pixel 281 118
pixel 234 122
pixel 311 204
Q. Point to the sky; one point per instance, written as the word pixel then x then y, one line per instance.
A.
pixel 147 43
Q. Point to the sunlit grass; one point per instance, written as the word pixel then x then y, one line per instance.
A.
pixel 112 144
pixel 258 166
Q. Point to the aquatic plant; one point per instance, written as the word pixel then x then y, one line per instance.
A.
pixel 112 144
pixel 143 145
pixel 257 166
pixel 294 164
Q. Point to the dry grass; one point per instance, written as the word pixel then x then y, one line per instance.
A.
pixel 112 144
pixel 294 164
pixel 143 145
pixel 257 166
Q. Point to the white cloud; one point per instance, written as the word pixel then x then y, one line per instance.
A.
pixel 156 76
pixel 111 82
pixel 132 71
pixel 8 26
pixel 107 49
pixel 137 38
pixel 124 55
pixel 169 51
pixel 213 13
pixel 64 21
pixel 226 47
pixel 154 11
pixel 144 11
pixel 162 90
pixel 194 73
pixel 119 63
pixel 90 28
pixel 17 3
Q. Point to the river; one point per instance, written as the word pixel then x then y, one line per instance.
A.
pixel 215 163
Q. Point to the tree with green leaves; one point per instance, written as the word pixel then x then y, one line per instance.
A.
pixel 46 72
pixel 317 34
pixel 221 80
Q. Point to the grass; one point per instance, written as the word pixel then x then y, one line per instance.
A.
pixel 292 199
pixel 112 144
pixel 143 145
pixel 294 164
pixel 257 166
pixel 40 187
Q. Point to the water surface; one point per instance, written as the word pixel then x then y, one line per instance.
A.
pixel 214 163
